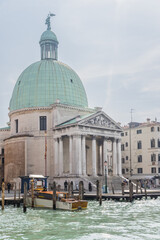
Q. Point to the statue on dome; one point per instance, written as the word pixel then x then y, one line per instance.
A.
pixel 48 23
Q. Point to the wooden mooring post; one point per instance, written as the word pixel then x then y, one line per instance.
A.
pixel 122 185
pixel 97 184
pixel 112 186
pixel 3 195
pixel 24 197
pixel 15 190
pixel 99 192
pixel 145 189
pixel 71 188
pixel 130 191
pixel 19 196
pixel 81 190
pixel 32 193
pixel 54 195
pixel 137 184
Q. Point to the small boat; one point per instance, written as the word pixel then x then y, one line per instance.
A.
pixel 44 199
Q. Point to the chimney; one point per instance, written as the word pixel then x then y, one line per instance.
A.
pixel 148 120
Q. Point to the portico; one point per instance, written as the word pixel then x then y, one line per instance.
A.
pixel 83 146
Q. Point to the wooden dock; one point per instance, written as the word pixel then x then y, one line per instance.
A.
pixel 93 196
pixel 126 197
pixel 11 201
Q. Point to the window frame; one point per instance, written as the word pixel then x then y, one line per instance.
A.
pixel 16 125
pixel 42 123
pixel 139 158
pixel 153 168
pixel 139 144
pixel 139 170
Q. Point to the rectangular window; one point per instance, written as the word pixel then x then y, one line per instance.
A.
pixel 153 157
pixel 126 157
pixel 139 145
pixel 153 170
pixel 126 144
pixel 16 121
pixel 126 133
pixel 140 158
pixel 158 143
pixel 123 160
pixel 43 123
pixel 152 143
pixel 152 129
pixel 122 134
pixel 158 157
pixel 123 171
pixel 122 147
pixel 2 160
pixel 139 170
pixel 158 170
pixel 2 151
pixel 127 170
pixel 158 129
pixel 139 131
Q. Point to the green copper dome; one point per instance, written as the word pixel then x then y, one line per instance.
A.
pixel 48 81
pixel 43 82
pixel 48 35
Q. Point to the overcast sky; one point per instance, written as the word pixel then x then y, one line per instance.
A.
pixel 113 45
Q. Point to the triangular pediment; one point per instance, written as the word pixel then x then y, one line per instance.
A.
pixel 100 120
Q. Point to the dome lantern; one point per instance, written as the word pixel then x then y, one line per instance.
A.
pixel 49 42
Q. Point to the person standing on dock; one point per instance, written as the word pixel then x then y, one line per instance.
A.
pixel 8 187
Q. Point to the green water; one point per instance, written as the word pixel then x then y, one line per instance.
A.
pixel 112 220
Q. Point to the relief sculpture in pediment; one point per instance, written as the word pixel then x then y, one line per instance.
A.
pixel 100 121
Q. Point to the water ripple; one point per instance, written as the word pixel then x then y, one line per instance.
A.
pixel 139 220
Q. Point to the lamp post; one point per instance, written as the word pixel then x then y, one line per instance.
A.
pixel 105 164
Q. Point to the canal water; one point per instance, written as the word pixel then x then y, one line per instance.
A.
pixel 112 220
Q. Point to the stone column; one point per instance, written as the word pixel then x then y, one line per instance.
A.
pixel 119 160
pixel 60 156
pixel 84 169
pixel 77 164
pixel 114 157
pixel 104 153
pixel 56 160
pixel 79 155
pixel 94 157
pixel 70 154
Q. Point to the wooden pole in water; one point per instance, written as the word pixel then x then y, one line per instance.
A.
pixel 3 195
pixel 130 191
pixel 24 197
pixel 71 188
pixel 123 185
pixel 145 189
pixel 19 197
pixel 112 187
pixel 15 189
pixel 137 183
pixel 81 190
pixel 32 193
pixel 100 193
pixel 97 183
pixel 54 195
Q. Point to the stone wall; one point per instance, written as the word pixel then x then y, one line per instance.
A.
pixel 14 159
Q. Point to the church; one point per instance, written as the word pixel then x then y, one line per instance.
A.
pixel 51 129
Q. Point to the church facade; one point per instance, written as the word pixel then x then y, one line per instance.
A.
pixel 52 131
